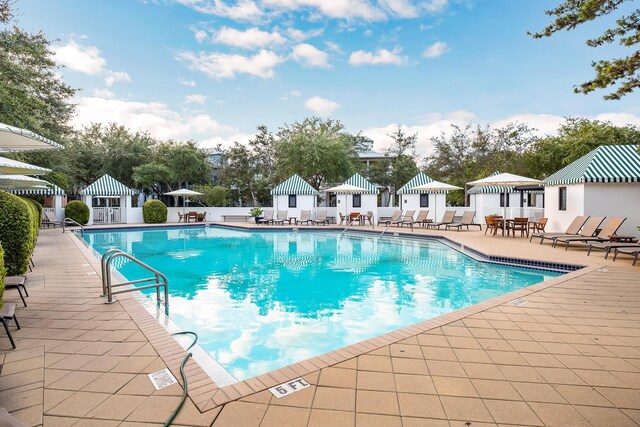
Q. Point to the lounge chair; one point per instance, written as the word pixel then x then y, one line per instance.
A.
pixel 537 226
pixel 422 218
pixel 466 221
pixel 608 246
pixel 447 218
pixel 609 229
pixel 50 219
pixel 395 217
pixel 406 219
pixel 305 216
pixel 321 217
pixel 633 251
pixel 572 230
pixel 8 312
pixel 267 218
pixel 281 218
pixel 17 282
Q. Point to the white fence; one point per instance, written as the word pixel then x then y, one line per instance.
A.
pixel 107 216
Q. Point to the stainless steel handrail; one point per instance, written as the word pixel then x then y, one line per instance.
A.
pixel 391 222
pixel 73 221
pixel 159 280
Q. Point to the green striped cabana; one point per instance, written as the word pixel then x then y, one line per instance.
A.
pixel 358 180
pixel 607 163
pixel 419 179
pixel 294 194
pixel 294 185
pixel 106 186
pixel 51 190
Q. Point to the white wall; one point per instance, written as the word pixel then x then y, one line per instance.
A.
pixel 560 220
pixel 134 215
pixel 303 202
pixel 368 202
pixel 615 200
pixel 437 204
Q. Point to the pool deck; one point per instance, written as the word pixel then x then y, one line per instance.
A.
pixel 570 355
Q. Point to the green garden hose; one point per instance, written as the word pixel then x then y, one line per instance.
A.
pixel 184 377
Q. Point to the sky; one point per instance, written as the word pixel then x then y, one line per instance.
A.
pixel 213 70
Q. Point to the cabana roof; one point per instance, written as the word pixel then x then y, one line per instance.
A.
pixel 607 163
pixel 491 189
pixel 358 180
pixel 419 179
pixel 51 190
pixel 294 185
pixel 108 187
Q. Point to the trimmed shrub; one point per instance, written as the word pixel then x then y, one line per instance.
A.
pixel 154 212
pixel 3 273
pixel 77 211
pixel 39 209
pixel 17 233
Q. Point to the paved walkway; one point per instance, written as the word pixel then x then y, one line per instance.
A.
pixel 569 356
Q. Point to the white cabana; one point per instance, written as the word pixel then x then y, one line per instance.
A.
pixel 436 187
pixel 55 198
pixel 13 139
pixel 294 194
pixel 363 196
pixel 413 198
pixel 105 191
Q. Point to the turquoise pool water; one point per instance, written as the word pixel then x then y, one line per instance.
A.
pixel 263 300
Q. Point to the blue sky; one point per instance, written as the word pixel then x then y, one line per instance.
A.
pixel 212 70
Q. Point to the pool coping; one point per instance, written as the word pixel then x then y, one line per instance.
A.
pixel 207 395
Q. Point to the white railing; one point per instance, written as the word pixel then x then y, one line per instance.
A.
pixel 107 215
pixel 50 210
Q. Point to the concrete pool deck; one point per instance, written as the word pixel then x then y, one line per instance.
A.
pixel 569 356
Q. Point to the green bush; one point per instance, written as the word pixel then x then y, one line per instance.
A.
pixel 154 212
pixel 39 209
pixel 17 233
pixel 77 211
pixel 3 273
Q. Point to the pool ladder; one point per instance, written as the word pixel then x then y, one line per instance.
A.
pixel 73 222
pixel 158 279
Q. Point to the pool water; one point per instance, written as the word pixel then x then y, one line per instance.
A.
pixel 263 300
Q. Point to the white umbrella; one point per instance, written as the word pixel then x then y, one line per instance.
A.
pixel 19 181
pixel 506 180
pixel 436 186
pixel 10 166
pixel 184 193
pixel 16 139
pixel 346 189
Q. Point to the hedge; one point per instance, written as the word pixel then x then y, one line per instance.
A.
pixel 77 211
pixel 154 212
pixel 3 272
pixel 17 232
pixel 39 209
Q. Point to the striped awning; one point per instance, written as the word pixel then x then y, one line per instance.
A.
pixel 358 180
pixel 607 163
pixel 417 180
pixel 491 189
pixel 51 190
pixel 108 186
pixel 14 139
pixel 294 185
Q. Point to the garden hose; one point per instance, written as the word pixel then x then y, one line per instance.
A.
pixel 184 377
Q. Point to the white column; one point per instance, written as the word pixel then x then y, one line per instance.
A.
pixel 89 202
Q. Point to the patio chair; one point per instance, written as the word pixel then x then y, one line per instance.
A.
pixel 406 219
pixel 537 226
pixel 466 221
pixel 395 217
pixel 608 246
pixel 181 217
pixel 609 229
pixel 633 251
pixel 447 218
pixel 588 229
pixel 572 230
pixel 267 218
pixel 305 216
pixel 490 224
pixel 343 218
pixel 17 282
pixel 8 312
pixel 422 218
pixel 281 218
pixel 355 216
pixel 321 217
pixel 519 224
pixel 50 219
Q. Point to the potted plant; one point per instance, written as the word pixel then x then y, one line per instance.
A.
pixel 255 213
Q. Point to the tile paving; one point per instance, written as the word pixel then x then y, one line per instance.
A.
pixel 569 356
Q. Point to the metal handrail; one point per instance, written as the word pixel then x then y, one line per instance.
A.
pixel 391 222
pixel 159 279
pixel 64 222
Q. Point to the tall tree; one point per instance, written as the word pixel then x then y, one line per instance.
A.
pixel 32 93
pixel 624 73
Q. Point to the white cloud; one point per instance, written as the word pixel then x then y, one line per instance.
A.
pixel 85 59
pixel 320 106
pixel 196 98
pixel 185 82
pixel 347 9
pixel 381 56
pixel 335 47
pixel 435 50
pixel 200 35
pixel 401 8
pixel 310 56
pixel 116 76
pixel 299 35
pixel 295 93
pixel 243 10
pixel 220 65
pixel 103 93
pixel 249 39
pixel 435 6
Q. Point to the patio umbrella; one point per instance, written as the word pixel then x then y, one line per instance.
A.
pixel 10 166
pixel 436 186
pixel 346 189
pixel 16 139
pixel 506 180
pixel 184 193
pixel 19 181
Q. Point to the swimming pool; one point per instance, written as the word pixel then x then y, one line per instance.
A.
pixel 263 300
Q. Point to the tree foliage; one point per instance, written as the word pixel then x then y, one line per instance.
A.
pixel 622 72
pixel 213 195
